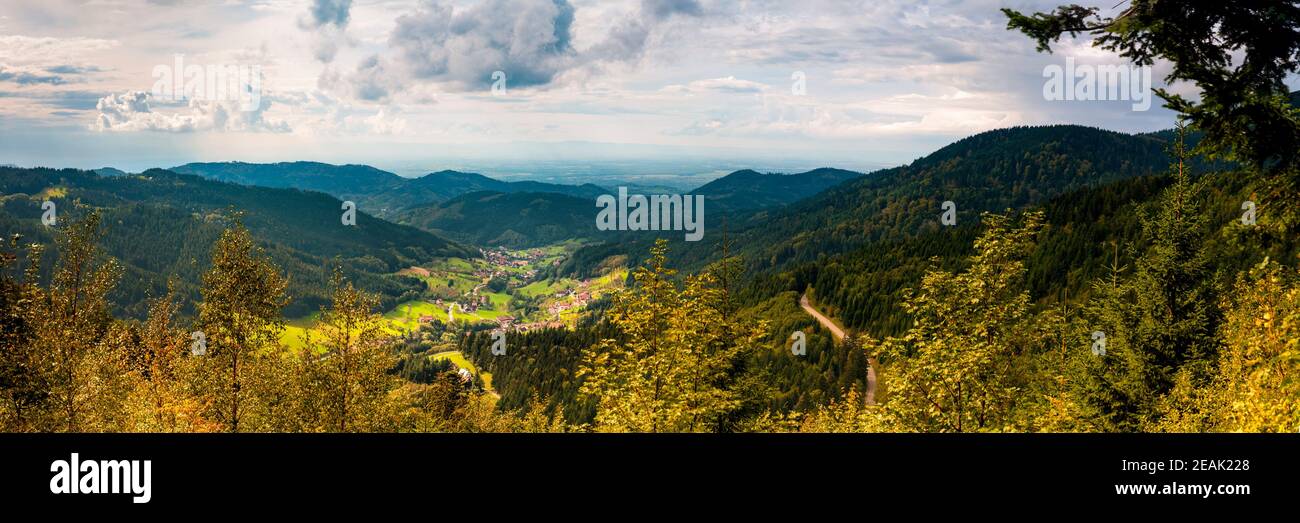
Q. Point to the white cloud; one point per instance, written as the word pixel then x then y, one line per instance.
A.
pixel 729 84
pixel 26 60
pixel 674 73
pixel 131 111
pixel 29 50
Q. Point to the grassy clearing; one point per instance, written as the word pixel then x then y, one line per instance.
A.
pixel 545 288
pixel 456 358
pixel 293 335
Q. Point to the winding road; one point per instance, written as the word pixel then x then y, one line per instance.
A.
pixel 839 337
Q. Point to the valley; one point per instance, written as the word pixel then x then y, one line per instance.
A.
pixel 515 291
pixel 863 256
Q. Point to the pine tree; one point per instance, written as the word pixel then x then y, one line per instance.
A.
pixel 1160 321
pixel 1254 388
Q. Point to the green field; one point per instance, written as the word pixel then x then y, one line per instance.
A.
pixel 292 337
pixel 545 287
pixel 459 360
pixel 456 358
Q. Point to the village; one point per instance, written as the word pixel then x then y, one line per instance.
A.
pixel 503 287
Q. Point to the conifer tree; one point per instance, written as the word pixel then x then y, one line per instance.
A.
pixel 1159 322
pixel 1256 388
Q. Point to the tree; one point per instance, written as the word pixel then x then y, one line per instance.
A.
pixel 1254 389
pixel 1238 53
pixel 956 369
pixel 24 386
pixel 165 398
pixel 1261 358
pixel 239 317
pixel 72 320
pixel 1160 322
pixel 353 361
pixel 671 370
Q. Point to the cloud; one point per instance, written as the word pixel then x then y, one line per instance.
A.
pixel 131 111
pixel 328 21
pixel 904 115
pixel 27 61
pixel 729 84
pixel 531 41
pixel 62 99
pixel 373 80
pixel 18 49
pixel 336 12
pixel 73 69
pixel 630 37
pixel 27 76
pixel 661 9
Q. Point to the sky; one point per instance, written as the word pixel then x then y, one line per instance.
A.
pixel 520 87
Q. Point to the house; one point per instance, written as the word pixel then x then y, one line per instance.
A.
pixel 426 319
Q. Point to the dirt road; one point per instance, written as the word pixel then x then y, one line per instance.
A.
pixel 839 337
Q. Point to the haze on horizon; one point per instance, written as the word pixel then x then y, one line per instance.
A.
pixel 641 87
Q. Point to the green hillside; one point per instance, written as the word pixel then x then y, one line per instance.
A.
pixel 162 224
pixel 514 220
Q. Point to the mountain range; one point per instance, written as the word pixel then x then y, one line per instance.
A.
pixel 778 222
pixel 160 225
pixel 376 191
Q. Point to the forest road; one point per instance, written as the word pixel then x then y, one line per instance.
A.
pixel 839 337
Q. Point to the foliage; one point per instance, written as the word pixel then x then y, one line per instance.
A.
pixel 956 369
pixel 1237 53
pixel 671 371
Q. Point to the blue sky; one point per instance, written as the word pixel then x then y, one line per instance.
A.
pixel 695 85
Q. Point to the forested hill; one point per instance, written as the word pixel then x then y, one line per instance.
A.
pixel 515 220
pixel 748 189
pixel 444 185
pixel 378 192
pixel 348 182
pixel 159 223
pixel 991 171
